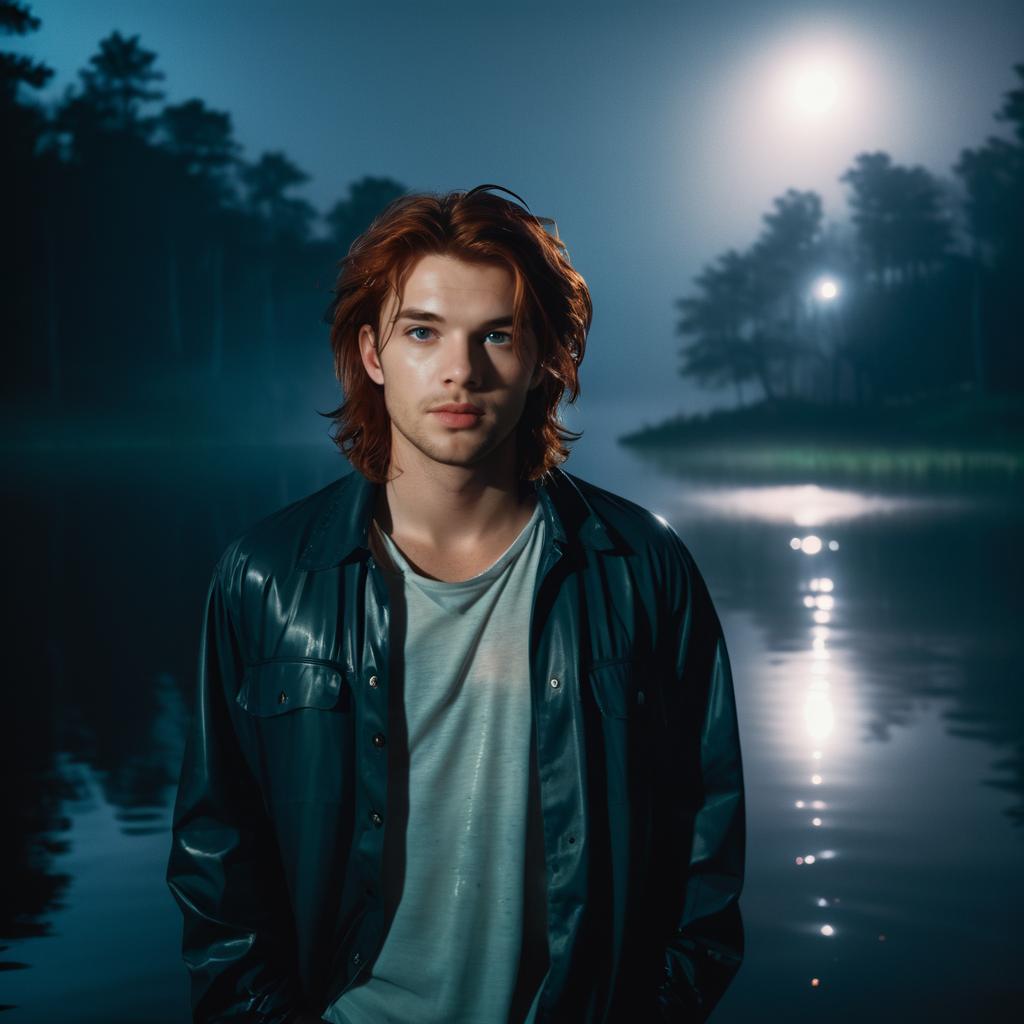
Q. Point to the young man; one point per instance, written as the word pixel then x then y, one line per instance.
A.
pixel 465 745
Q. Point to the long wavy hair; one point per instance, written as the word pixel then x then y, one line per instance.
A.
pixel 551 300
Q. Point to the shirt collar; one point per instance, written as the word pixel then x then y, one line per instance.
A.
pixel 343 529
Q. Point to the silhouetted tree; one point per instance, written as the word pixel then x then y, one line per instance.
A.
pixel 23 262
pixel 350 217
pixel 717 318
pixel 15 68
pixel 993 176
pixel 749 318
pixel 119 84
pixel 785 258
pixel 201 141
pixel 102 130
pixel 267 181
pixel 203 152
pixel 899 217
pixel 905 326
pixel 284 220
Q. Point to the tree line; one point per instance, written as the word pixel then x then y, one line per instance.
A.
pixel 146 260
pixel 919 294
pixel 147 263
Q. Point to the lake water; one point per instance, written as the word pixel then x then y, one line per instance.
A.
pixel 873 634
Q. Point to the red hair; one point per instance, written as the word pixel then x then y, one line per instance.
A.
pixel 551 300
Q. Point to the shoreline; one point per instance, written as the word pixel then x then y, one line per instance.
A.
pixel 946 436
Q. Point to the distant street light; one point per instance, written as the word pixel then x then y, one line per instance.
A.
pixel 826 289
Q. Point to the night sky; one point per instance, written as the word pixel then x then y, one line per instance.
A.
pixel 656 134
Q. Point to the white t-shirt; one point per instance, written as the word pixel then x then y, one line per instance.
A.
pixel 463 847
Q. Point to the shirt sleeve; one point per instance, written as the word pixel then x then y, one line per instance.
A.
pixel 705 952
pixel 223 869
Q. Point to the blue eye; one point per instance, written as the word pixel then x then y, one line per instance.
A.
pixel 501 334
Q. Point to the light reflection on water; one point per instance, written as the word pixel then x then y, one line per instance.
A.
pixel 920 732
pixel 870 636
pixel 823 688
pixel 808 505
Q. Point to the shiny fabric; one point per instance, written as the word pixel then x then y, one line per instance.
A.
pixel 279 823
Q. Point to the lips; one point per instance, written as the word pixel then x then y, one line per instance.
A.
pixel 459 407
pixel 453 416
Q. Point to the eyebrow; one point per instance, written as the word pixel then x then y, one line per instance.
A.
pixel 422 314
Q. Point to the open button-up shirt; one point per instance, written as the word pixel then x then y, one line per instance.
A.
pixel 276 859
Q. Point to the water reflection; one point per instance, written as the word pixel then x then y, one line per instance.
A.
pixel 882 637
pixel 809 505
pixel 112 558
pixel 932 609
pixel 822 674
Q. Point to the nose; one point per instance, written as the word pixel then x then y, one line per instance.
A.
pixel 463 360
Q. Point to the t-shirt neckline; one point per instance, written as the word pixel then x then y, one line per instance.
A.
pixel 403 567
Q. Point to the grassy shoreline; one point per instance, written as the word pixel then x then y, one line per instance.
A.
pixel 935 437
pixel 860 459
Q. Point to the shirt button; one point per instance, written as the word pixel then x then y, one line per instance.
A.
pixel 376 818
pixel 555 684
pixel 356 958
pixel 282 698
pixel 373 682
pixel 378 740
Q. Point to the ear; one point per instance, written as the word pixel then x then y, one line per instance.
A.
pixel 369 354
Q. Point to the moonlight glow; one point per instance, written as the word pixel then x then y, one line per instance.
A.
pixel 814 89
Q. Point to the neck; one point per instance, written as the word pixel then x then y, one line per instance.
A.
pixel 453 508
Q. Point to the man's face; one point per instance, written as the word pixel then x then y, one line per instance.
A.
pixel 460 353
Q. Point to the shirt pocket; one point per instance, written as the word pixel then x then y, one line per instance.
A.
pixel 617 687
pixel 299 715
pixel 619 739
pixel 280 687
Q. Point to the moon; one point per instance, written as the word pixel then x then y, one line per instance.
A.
pixel 814 89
